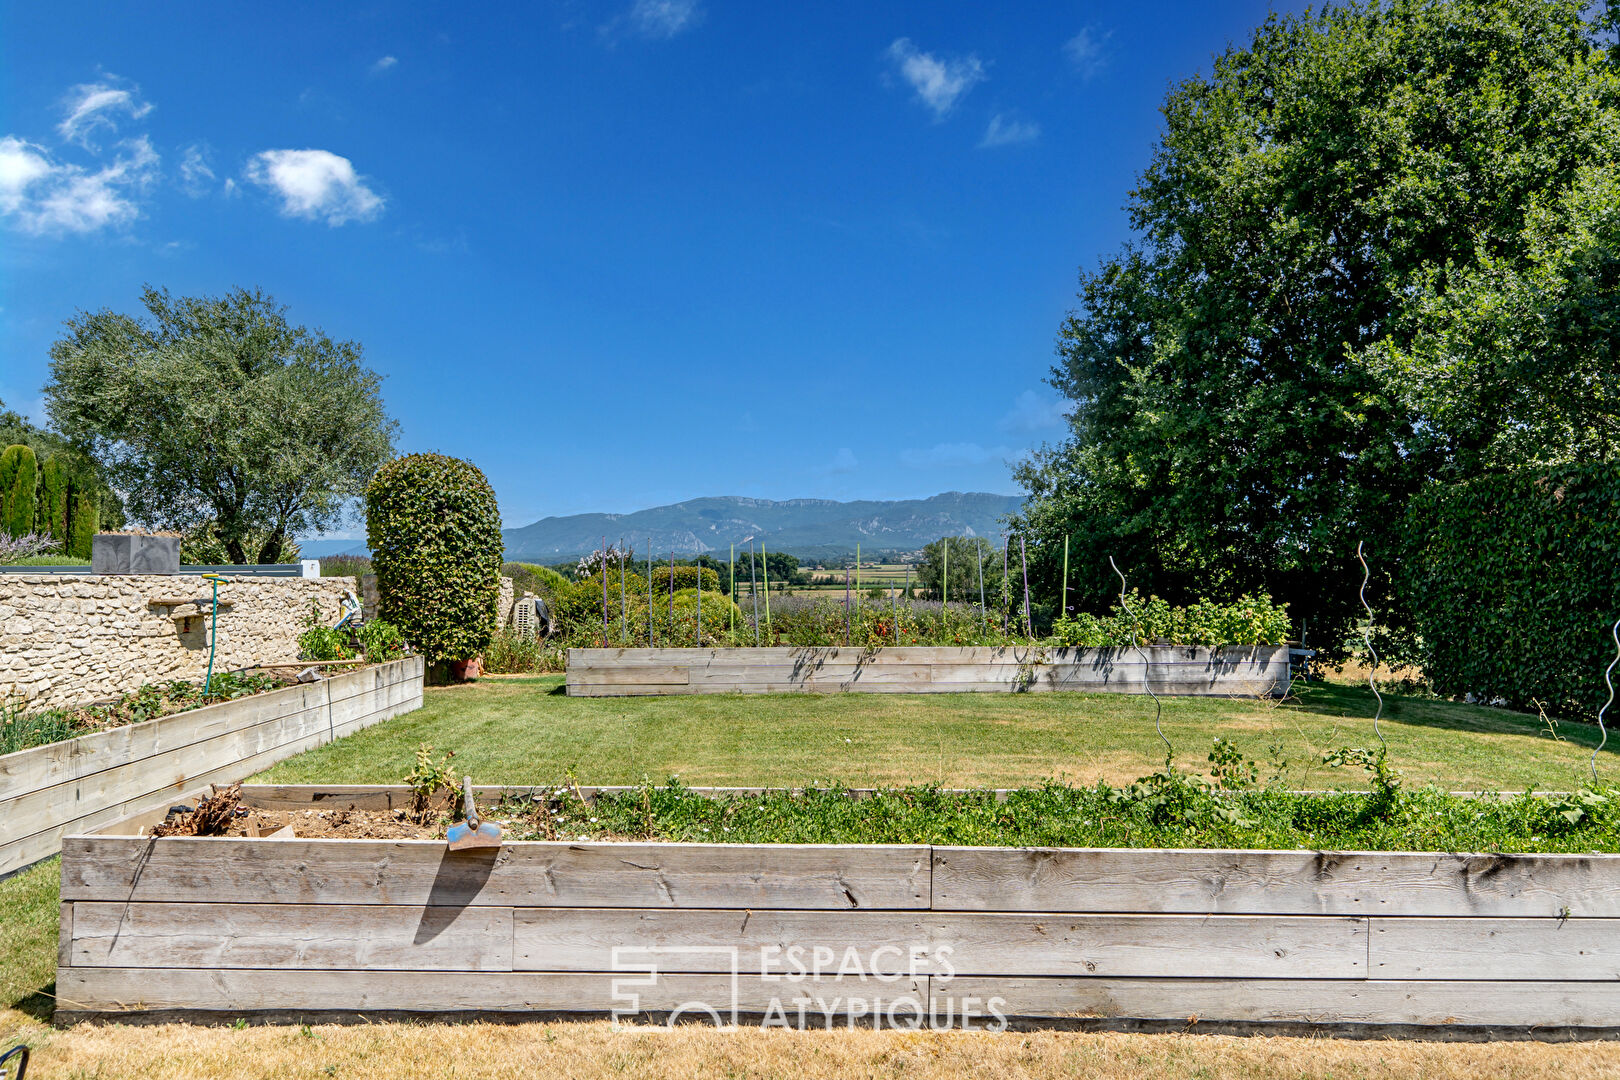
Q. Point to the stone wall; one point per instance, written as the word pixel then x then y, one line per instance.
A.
pixel 70 640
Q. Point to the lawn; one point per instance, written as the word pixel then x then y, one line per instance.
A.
pixel 524 730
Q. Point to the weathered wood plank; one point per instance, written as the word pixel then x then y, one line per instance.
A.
pixel 26 770
pixel 1299 1001
pixel 825 1002
pixel 1280 882
pixel 1236 946
pixel 521 874
pixel 1549 949
pixel 292 936
pixel 39 810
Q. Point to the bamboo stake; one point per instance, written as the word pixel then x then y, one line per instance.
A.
pixel 698 632
pixel 672 638
pixel 944 575
pixel 1006 592
pixel 1063 605
pixel 733 592
pixel 753 590
pixel 984 619
pixel 765 572
pixel 649 592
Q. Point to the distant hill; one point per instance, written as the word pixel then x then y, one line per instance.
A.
pixel 809 528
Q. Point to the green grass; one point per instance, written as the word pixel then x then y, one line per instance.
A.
pixel 28 931
pixel 51 560
pixel 523 730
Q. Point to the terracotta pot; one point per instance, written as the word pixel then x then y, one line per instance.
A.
pixel 466 670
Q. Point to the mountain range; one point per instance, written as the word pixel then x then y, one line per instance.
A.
pixel 812 529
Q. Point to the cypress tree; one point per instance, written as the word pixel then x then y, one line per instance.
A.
pixel 19 474
pixel 51 516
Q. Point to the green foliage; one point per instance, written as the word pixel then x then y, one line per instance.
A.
pixel 1249 620
pixel 510 654
pixel 324 643
pixel 1514 583
pixel 80 473
pixel 355 566
pixel 530 577
pixel 431 783
pixel 435 535
pixel 380 641
pixel 1165 810
pixel 966 556
pixel 84 519
pixel 19 475
pixel 218 408
pixel 20 730
pixel 51 515
pixel 1377 247
pixel 204 544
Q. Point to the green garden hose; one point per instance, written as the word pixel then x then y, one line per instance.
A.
pixel 213 633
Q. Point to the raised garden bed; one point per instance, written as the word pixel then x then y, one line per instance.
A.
pixel 817 934
pixel 80 783
pixel 1240 671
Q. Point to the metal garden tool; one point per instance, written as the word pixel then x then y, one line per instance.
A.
pixel 472 834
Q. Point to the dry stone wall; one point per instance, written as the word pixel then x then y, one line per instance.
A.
pixel 71 640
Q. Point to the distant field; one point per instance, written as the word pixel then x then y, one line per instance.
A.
pixel 889 576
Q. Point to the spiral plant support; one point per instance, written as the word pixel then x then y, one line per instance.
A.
pixel 1615 633
pixel 1366 636
pixel 1158 706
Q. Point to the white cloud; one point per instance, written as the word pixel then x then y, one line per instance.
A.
pixel 195 173
pixel 98 105
pixel 45 196
pixel 843 462
pixel 663 18
pixel 1004 131
pixel 315 184
pixel 939 82
pixel 952 455
pixel 1085 52
pixel 383 64
pixel 1033 412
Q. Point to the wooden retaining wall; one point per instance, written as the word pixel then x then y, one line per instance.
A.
pixel 808 935
pixel 1232 671
pixel 76 785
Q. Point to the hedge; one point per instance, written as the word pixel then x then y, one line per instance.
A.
pixel 1514 583
pixel 435 534
pixel 19 477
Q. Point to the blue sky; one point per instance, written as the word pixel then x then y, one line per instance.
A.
pixel 620 253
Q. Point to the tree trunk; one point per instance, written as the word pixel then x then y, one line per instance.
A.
pixel 238 554
pixel 271 551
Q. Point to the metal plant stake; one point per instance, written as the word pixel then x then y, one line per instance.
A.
pixel 753 589
pixel 984 619
pixel 673 639
pixel 1023 557
pixel 624 610
pixel 698 632
pixel 604 592
pixel 1366 636
pixel 1158 706
pixel 649 593
pixel 1615 632
pixel 1006 590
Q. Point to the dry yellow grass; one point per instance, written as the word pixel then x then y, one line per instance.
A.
pixel 597 1049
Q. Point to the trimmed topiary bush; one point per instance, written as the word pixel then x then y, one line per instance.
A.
pixel 1514 583
pixel 19 473
pixel 435 534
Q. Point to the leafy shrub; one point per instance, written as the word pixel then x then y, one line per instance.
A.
pixel 435 535
pixel 355 566
pixel 432 783
pixel 380 640
pixel 25 550
pixel 1248 620
pixel 510 654
pixel 530 577
pixel 1514 582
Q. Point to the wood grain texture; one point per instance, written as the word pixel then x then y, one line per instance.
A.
pixel 1278 882
pixel 925 669
pixel 1307 1001
pixel 1237 946
pixel 372 937
pixel 82 990
pixel 1546 949
pixel 520 874
pixel 87 782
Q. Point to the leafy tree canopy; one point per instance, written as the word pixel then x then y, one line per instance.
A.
pixel 1377 247
pixel 215 408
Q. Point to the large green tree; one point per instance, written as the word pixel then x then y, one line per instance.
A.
pixel 216 409
pixel 1376 248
